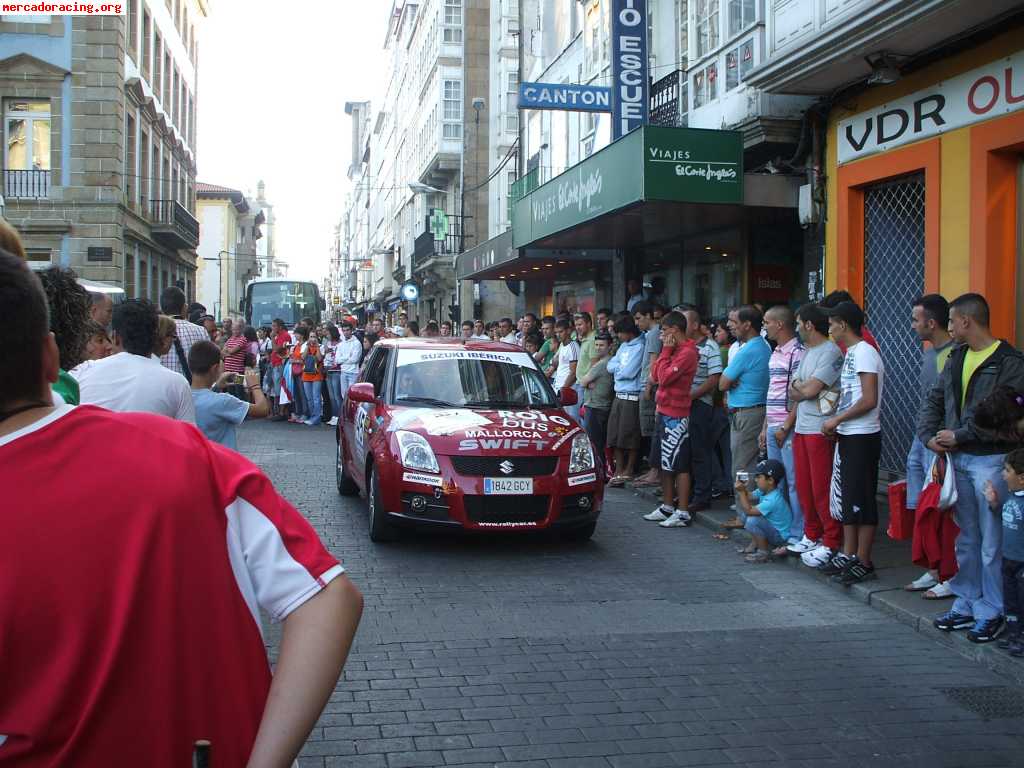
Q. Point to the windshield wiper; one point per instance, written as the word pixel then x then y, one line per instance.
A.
pixel 427 401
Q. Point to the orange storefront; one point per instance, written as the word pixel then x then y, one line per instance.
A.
pixel 925 195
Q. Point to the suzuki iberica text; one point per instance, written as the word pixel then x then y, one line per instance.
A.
pixel 465 434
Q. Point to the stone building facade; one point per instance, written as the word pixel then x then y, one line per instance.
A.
pixel 99 141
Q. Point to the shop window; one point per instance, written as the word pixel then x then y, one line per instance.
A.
pixel 706 17
pixel 452 109
pixel 705 85
pixel 742 14
pixel 738 62
pixel 452 21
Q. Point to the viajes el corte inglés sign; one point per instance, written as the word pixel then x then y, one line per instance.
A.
pixel 995 89
pixel 654 163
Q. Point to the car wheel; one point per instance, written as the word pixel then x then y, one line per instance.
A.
pixel 346 485
pixel 581 534
pixel 381 529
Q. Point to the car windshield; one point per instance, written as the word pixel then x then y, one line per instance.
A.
pixel 286 300
pixel 469 379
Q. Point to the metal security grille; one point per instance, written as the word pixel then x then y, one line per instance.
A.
pixel 893 278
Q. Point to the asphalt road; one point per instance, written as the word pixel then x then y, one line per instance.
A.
pixel 644 647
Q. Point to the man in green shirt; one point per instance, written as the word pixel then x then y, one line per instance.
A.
pixel 546 356
pixel 585 337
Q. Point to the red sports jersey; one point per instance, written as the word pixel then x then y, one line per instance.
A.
pixel 135 558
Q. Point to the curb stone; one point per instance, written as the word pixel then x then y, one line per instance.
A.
pixel 888 598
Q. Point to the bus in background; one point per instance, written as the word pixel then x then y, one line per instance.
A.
pixel 267 299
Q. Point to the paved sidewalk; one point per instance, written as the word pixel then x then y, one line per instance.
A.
pixel 645 647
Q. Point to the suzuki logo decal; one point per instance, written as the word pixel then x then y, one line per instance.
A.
pixel 507 467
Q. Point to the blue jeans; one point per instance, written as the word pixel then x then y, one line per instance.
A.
pixel 276 376
pixel 919 461
pixel 978 584
pixel 788 488
pixel 758 526
pixel 311 390
pixel 334 390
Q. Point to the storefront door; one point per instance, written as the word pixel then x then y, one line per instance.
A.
pixel 894 265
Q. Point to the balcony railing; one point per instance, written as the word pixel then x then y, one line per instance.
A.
pixel 26 185
pixel 427 246
pixel 668 100
pixel 173 225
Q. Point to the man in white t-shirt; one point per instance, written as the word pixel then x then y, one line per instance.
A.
pixel 566 358
pixel 506 331
pixel 134 380
pixel 857 424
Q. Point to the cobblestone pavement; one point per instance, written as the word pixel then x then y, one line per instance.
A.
pixel 645 647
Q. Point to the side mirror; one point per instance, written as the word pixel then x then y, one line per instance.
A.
pixel 363 392
pixel 568 396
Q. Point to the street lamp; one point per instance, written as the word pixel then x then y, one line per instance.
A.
pixel 220 272
pixel 419 188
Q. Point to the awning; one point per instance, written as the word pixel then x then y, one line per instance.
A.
pixel 630 192
pixel 496 259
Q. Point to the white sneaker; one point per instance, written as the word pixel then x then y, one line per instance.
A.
pixel 678 519
pixel 334 421
pixel 732 507
pixel 817 557
pixel 921 583
pixel 657 515
pixel 804 545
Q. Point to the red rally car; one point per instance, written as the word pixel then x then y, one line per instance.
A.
pixel 465 434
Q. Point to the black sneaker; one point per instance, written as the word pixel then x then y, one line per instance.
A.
pixel 951 621
pixel 855 573
pixel 986 631
pixel 1012 633
pixel 836 564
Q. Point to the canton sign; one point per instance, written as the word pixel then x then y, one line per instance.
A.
pixel 571 98
pixel 630 100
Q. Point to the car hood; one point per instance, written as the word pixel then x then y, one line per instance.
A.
pixel 460 431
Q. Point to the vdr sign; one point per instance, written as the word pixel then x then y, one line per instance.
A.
pixel 630 90
pixel 983 93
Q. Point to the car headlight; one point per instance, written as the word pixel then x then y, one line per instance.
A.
pixel 416 452
pixel 582 456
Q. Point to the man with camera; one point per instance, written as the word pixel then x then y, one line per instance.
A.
pixel 217 412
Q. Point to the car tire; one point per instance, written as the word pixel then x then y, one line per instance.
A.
pixel 381 529
pixel 346 485
pixel 581 534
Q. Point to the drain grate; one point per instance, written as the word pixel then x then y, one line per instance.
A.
pixel 988 701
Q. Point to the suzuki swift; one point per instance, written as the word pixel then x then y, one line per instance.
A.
pixel 466 435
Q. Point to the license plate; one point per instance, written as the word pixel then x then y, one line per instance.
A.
pixel 508 486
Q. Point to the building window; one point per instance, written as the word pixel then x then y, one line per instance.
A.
pixel 177 14
pixel 143 281
pixel 512 108
pixel 144 170
pixel 133 32
pixel 158 58
pixel 129 271
pixel 130 182
pixel 27 18
pixel 147 30
pixel 26 148
pixel 175 90
pixel 453 21
pixel 705 85
pixel 166 84
pixel 452 114
pixel 706 13
pixel 738 62
pixel 741 15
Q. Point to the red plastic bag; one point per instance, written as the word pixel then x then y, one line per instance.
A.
pixel 935 534
pixel 901 519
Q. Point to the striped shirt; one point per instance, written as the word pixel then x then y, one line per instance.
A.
pixel 782 367
pixel 709 363
pixel 188 334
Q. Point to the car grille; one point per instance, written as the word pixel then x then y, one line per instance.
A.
pixel 506 509
pixel 490 466
pixel 436 509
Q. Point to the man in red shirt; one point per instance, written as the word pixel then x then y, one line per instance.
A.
pixel 281 342
pixel 673 371
pixel 129 601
